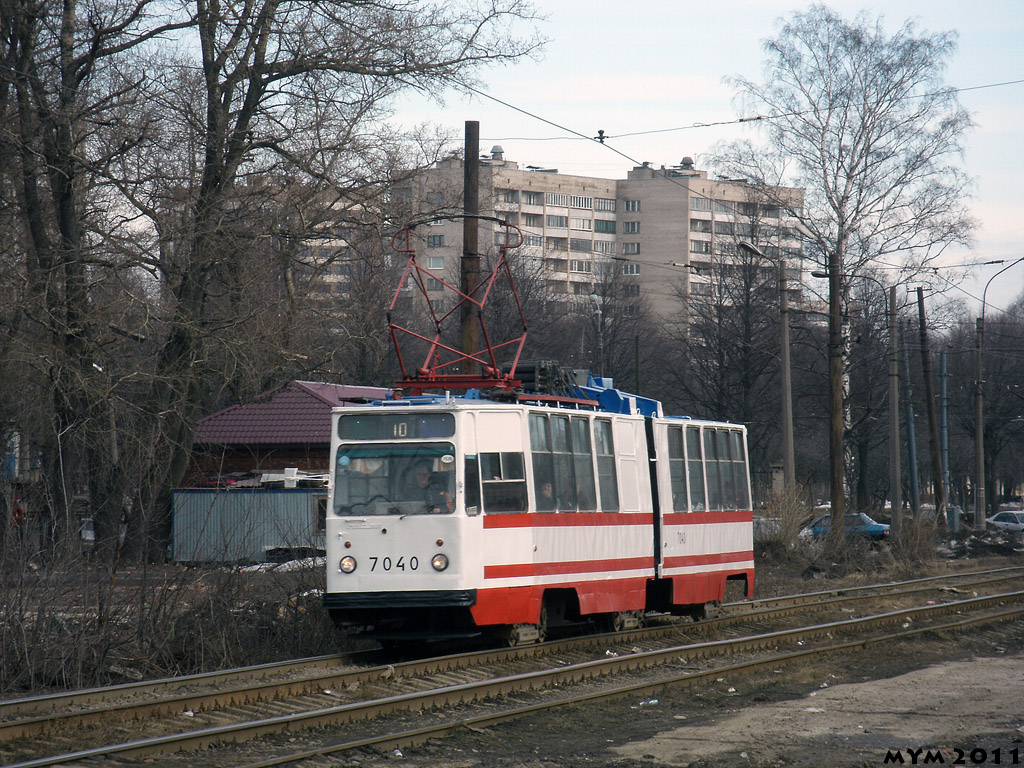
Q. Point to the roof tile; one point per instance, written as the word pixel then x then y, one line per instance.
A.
pixel 299 413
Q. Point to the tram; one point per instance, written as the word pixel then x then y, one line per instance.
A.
pixel 516 508
pixel 458 516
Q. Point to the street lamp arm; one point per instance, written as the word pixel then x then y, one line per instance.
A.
pixel 997 274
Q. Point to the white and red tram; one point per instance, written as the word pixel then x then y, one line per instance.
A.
pixel 457 516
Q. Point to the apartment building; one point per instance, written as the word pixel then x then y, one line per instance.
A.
pixel 663 233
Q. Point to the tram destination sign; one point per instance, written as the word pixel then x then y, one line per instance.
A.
pixel 395 426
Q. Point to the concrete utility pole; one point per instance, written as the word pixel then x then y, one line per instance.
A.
pixel 788 458
pixel 470 266
pixel 933 422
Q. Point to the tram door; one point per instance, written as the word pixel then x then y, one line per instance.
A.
pixel 652 462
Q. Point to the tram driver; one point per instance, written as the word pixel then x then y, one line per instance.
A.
pixel 430 488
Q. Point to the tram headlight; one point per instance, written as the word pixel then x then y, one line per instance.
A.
pixel 347 564
pixel 439 561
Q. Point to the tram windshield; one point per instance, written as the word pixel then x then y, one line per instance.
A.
pixel 394 479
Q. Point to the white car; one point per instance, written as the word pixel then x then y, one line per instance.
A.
pixel 1007 521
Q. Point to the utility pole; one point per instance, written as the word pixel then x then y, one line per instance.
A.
pixel 979 432
pixel 788 461
pixel 953 521
pixel 470 265
pixel 933 422
pixel 895 480
pixel 915 496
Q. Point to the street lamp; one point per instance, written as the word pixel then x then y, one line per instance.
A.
pixel 600 333
pixel 895 477
pixel 788 459
pixel 979 428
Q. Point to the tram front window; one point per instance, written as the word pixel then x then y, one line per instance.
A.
pixel 394 479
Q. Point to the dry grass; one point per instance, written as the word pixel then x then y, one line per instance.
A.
pixel 71 624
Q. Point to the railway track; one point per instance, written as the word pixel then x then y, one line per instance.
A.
pixel 184 713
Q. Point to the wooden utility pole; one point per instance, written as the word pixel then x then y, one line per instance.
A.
pixel 470 267
pixel 933 421
pixel 895 478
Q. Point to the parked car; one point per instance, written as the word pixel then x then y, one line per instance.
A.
pixel 1007 521
pixel 857 524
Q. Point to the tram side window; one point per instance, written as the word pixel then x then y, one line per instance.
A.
pixel 739 468
pixel 503 481
pixel 583 463
pixel 677 469
pixel 543 463
pixel 607 482
pixel 724 468
pixel 564 473
pixel 712 467
pixel 696 469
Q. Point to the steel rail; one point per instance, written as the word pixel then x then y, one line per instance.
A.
pixel 419 735
pixel 467 692
pixel 250 693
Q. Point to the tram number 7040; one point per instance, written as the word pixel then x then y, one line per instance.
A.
pixel 401 564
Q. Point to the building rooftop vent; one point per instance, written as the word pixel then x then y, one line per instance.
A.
pixel 497 153
pixel 686 164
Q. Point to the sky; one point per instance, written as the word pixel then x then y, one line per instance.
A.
pixel 660 65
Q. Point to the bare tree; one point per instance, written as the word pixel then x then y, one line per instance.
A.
pixel 862 121
pixel 291 89
pixel 160 245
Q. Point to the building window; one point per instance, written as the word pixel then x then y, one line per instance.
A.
pixel 700 246
pixel 433 284
pixel 533 220
pixel 632 206
pixel 580 245
pixel 533 240
pixel 700 225
pixel 631 290
pixel 700 289
pixel 532 198
pixel 725 228
pixel 725 247
pixel 435 241
pixel 604 204
pixel 435 262
pixel 630 227
pixel 630 249
pixel 582 289
pixel 700 203
pixel 577 201
pixel 509 195
pixel 605 246
pixel 606 226
pixel 770 211
pixel 557 198
pixel 725 206
pixel 561 222
pixel 578 265
pixel 583 225
pixel 631 269
pixel 558 243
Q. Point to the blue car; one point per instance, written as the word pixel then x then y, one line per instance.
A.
pixel 857 524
